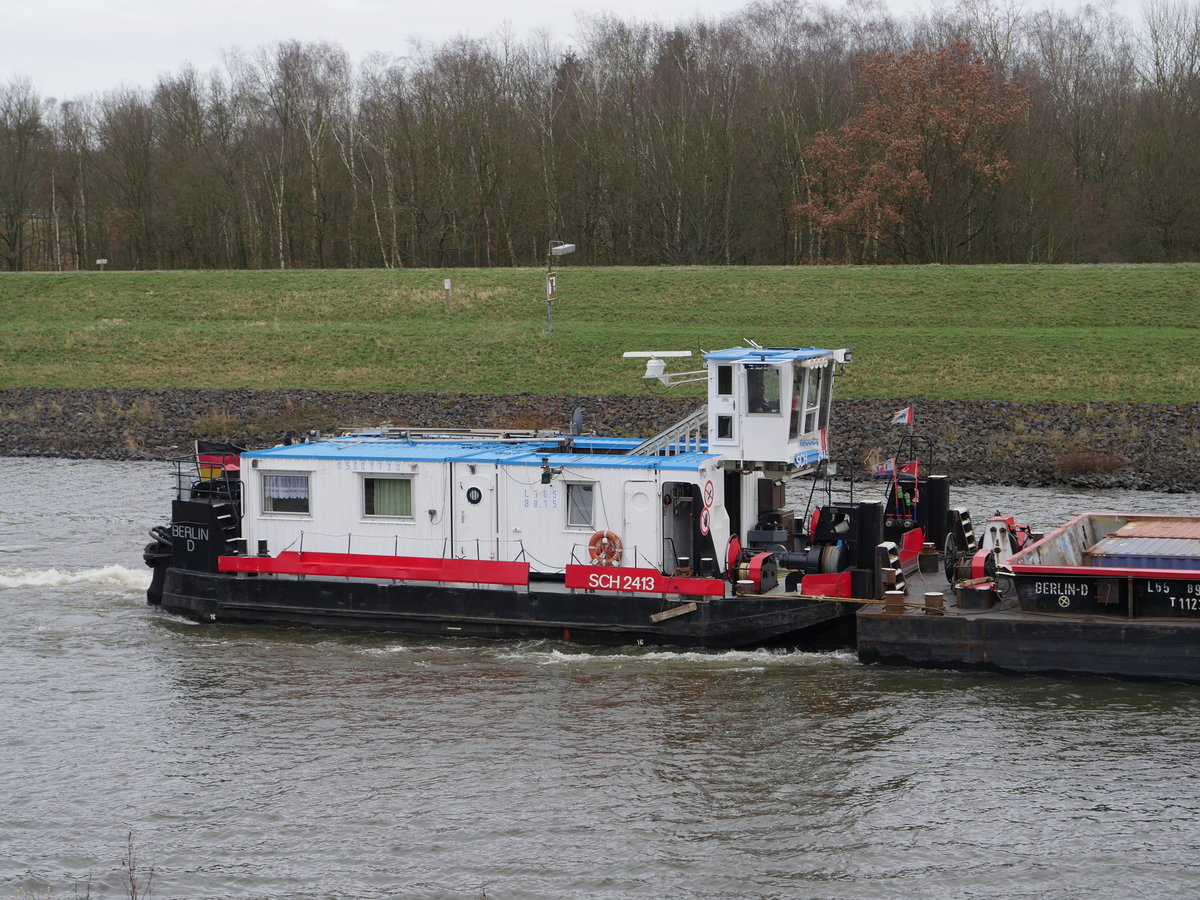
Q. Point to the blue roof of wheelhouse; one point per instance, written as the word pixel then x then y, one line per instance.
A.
pixel 766 354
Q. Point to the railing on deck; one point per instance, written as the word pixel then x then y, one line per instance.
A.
pixel 685 436
pixel 207 483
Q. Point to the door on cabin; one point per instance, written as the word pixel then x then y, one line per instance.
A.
pixel 475 527
pixel 641 542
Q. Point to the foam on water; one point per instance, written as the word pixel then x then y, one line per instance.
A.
pixel 106 576
pixel 758 659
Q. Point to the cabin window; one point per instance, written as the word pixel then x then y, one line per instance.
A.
pixel 285 493
pixel 389 497
pixel 812 400
pixel 725 380
pixel 807 384
pixel 762 389
pixel 579 505
pixel 724 428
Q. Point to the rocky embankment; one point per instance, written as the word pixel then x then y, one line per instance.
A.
pixel 1142 446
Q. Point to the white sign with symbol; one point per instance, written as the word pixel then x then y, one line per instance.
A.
pixel 710 494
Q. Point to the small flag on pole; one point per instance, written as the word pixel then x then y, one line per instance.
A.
pixel 889 468
pixel 903 416
pixel 885 469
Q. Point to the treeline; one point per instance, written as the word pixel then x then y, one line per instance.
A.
pixel 787 133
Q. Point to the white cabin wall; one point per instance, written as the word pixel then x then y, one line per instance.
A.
pixel 335 523
pixel 719 525
pixel 534 515
pixel 530 516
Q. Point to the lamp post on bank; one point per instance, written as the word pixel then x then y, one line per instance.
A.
pixel 557 248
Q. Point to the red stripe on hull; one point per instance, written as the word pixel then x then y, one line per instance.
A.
pixel 1101 571
pixel 396 568
pixel 645 581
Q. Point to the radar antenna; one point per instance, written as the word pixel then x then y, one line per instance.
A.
pixel 656 370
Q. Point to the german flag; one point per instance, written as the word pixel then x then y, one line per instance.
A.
pixel 216 458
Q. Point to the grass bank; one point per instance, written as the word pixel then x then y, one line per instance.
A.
pixel 1024 333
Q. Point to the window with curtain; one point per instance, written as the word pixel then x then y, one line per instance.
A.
pixel 579 505
pixel 285 493
pixel 387 497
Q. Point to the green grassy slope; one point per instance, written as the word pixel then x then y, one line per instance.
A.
pixel 1119 333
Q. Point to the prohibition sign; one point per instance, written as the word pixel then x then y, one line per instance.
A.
pixel 709 494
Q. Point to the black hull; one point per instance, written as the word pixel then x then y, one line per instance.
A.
pixel 1016 643
pixel 548 612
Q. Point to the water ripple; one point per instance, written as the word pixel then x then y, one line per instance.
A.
pixel 306 764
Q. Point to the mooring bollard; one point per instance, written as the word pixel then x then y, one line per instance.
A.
pixel 927 559
pixel 893 603
pixel 935 603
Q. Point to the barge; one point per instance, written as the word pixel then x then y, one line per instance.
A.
pixel 1105 594
pixel 685 538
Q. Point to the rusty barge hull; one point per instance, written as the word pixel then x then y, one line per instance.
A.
pixel 1013 642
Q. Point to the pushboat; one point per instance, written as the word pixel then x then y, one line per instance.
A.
pixel 685 538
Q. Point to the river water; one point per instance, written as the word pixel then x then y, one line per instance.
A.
pixel 266 763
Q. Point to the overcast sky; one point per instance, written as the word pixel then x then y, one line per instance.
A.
pixel 68 48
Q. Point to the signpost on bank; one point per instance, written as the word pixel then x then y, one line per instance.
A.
pixel 557 248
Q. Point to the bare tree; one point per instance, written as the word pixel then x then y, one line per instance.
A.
pixel 1165 181
pixel 22 165
pixel 126 136
pixel 646 143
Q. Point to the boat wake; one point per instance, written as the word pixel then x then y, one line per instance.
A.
pixel 539 653
pixel 734 659
pixel 107 576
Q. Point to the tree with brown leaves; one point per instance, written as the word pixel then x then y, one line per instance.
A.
pixel 910 175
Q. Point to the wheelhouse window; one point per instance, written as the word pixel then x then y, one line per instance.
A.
pixel 762 389
pixel 812 399
pixel 809 388
pixel 285 494
pixel 725 381
pixel 579 505
pixel 387 497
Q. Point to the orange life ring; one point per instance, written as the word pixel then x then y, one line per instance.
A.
pixel 605 548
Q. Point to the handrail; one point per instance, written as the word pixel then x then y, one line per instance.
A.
pixel 685 436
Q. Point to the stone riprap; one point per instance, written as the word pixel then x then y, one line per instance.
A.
pixel 1141 446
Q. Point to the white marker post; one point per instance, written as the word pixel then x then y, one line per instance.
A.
pixel 557 248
